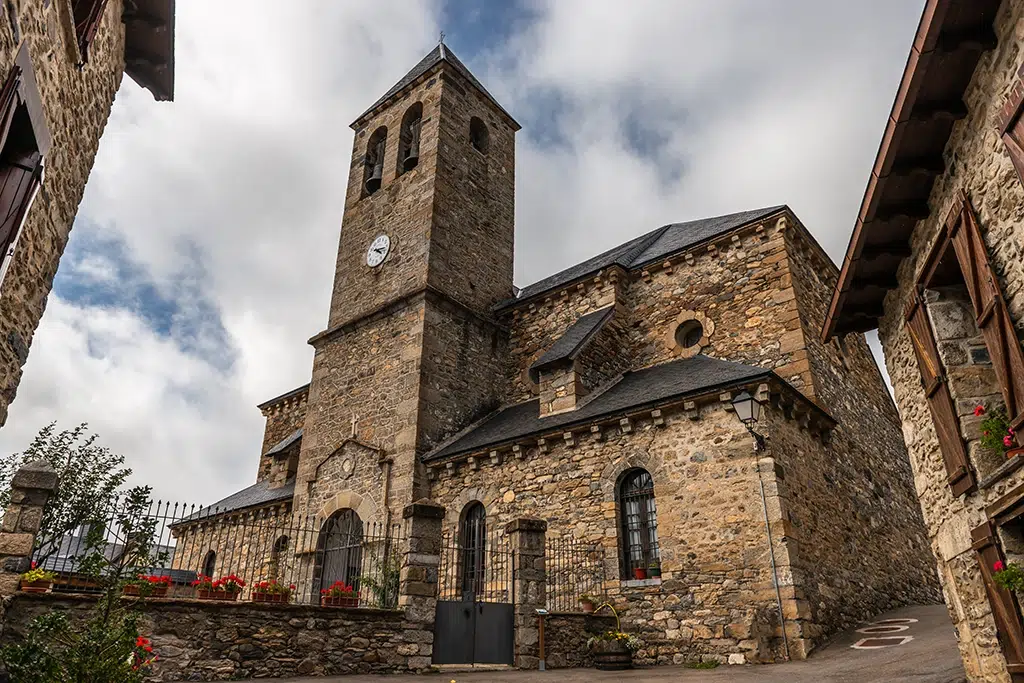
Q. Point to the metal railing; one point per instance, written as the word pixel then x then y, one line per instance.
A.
pixel 184 542
pixel 476 565
pixel 574 569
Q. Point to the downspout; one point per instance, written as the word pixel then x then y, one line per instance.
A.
pixel 771 548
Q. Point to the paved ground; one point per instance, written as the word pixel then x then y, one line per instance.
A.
pixel 930 657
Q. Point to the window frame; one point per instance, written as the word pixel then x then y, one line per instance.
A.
pixel 473 551
pixel 638 531
pixel 86 23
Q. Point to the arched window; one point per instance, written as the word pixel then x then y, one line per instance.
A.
pixel 209 564
pixel 409 139
pixel 472 540
pixel 373 170
pixel 479 137
pixel 639 543
pixel 279 549
pixel 339 547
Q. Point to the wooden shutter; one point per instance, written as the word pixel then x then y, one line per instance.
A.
pixel 1005 610
pixel 940 401
pixel 990 310
pixel 87 19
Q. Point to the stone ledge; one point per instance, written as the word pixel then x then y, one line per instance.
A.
pixel 639 583
pixel 1011 465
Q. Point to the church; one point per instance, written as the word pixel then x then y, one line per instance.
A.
pixel 669 401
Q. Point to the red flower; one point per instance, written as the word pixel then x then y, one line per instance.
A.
pixel 998 566
pixel 979 410
pixel 141 642
pixel 1008 441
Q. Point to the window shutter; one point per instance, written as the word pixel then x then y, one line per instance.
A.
pixel 990 310
pixel 1005 610
pixel 87 19
pixel 8 102
pixel 940 401
pixel 18 186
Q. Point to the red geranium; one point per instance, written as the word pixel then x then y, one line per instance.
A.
pixel 979 410
pixel 998 566
pixel 338 589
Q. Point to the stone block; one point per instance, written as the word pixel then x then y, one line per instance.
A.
pixel 16 543
pixel 35 475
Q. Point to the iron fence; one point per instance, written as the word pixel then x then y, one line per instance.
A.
pixel 305 554
pixel 476 564
pixel 574 569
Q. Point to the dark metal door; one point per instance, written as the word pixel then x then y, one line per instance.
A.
pixel 473 633
pixel 493 634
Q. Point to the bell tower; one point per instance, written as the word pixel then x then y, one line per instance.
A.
pixel 411 353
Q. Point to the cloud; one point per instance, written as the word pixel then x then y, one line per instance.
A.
pixel 203 255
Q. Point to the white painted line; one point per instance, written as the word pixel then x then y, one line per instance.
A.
pixel 894 621
pixel 883 628
pixel 880 643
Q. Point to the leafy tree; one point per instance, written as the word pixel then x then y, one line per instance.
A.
pixel 89 477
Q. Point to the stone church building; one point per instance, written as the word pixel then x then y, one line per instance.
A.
pixel 600 399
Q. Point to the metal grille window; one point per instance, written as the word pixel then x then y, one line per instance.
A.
pixel 639 546
pixel 210 563
pixel 473 540
pixel 340 550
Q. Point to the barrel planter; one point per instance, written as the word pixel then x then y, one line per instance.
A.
pixel 611 655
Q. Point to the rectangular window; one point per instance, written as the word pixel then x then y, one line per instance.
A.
pixel 1005 609
pixel 87 15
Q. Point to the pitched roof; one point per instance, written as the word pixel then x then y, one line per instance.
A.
pixel 951 39
pixel 441 53
pixel 285 443
pixel 257 495
pixel 650 386
pixel 574 340
pixel 655 245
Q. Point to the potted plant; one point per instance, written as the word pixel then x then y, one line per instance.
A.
pixel 271 591
pixel 613 650
pixel 996 434
pixel 37 580
pixel 147 586
pixel 340 594
pixel 225 588
pixel 588 602
pixel 639 573
pixel 654 569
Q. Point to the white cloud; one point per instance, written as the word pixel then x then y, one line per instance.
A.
pixel 237 188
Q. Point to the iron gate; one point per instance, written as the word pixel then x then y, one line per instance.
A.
pixel 476 595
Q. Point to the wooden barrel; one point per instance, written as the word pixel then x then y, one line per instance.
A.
pixel 613 661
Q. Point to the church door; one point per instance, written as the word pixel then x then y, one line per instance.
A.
pixel 340 550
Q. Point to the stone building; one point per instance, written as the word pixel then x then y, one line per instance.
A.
pixel 61 63
pixel 600 399
pixel 936 264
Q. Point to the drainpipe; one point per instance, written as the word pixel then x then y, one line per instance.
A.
pixel 771 546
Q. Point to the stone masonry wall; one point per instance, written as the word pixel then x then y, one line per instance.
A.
pixel 715 590
pixel 977 163
pixel 283 416
pixel 76 105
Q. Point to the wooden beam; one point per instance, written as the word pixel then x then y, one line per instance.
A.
pixel 980 39
pixel 932 165
pixel 952 110
pixel 912 210
pixel 135 58
pixel 875 251
pixel 872 310
pixel 883 280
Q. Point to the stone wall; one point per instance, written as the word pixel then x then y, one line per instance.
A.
pixel 284 415
pixel 76 105
pixel 210 641
pixel 716 588
pixel 976 162
pixel 566 635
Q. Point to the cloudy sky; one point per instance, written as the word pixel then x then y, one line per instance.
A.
pixel 201 260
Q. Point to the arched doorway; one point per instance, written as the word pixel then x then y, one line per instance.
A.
pixel 339 555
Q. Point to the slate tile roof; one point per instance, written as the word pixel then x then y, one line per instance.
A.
pixel 257 495
pixel 574 340
pixel 441 53
pixel 652 247
pixel 286 443
pixel 650 386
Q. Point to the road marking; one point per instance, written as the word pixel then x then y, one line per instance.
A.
pixel 879 643
pixel 894 621
pixel 883 628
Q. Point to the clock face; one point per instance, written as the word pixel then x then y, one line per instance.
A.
pixel 378 251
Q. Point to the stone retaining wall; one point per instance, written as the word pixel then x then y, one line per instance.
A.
pixel 566 635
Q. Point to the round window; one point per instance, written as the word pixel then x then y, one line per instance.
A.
pixel 689 334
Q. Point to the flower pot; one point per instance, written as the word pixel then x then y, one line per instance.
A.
pixel 159 591
pixel 640 573
pixel 654 572
pixel 204 594
pixel 588 606
pixel 270 597
pixel 1014 452
pixel 42 586
pixel 339 601
pixel 611 655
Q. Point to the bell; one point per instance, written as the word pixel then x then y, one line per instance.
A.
pixel 373 182
pixel 411 160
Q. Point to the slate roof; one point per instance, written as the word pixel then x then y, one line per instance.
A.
pixel 650 386
pixel 256 495
pixel 654 246
pixel 575 338
pixel 285 443
pixel 441 53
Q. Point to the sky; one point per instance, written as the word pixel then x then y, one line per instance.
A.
pixel 202 256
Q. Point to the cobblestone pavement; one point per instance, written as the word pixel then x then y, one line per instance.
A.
pixel 931 656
